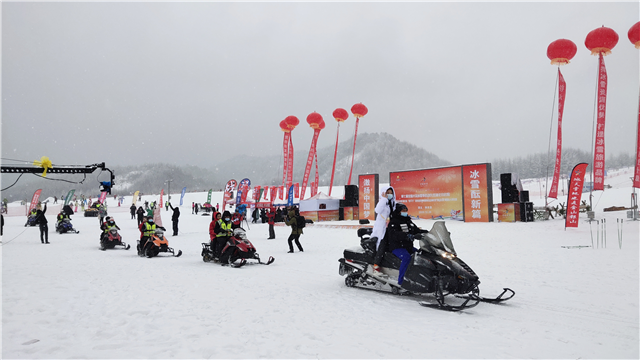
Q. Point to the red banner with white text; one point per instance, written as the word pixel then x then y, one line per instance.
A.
pixel 310 158
pixel 272 193
pixel 285 151
pixel 161 193
pixel 103 196
pixel 575 195
pixel 598 156
pixel 34 200
pixel 290 165
pixel 562 87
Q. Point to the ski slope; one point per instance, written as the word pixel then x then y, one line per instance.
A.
pixel 70 300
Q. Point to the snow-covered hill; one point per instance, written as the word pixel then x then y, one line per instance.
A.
pixel 70 300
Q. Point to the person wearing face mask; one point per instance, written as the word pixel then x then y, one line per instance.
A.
pixel 223 230
pixel 385 207
pixel 400 235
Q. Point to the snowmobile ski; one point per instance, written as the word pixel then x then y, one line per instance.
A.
pixel 441 305
pixel 496 300
pixel 178 254
pixel 269 261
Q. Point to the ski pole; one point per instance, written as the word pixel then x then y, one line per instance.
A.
pixel 620 221
pixel 591 232
pixel 604 232
pixel 598 233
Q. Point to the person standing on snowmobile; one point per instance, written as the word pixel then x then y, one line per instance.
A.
pixel 400 237
pixel 292 220
pixel 385 207
pixel 223 231
pixel 41 220
pixel 174 218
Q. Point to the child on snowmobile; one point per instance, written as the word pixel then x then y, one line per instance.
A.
pixel 108 225
pixel 385 207
pixel 400 235
pixel 223 229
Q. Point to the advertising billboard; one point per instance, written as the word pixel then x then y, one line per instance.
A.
pixel 446 193
pixel 368 189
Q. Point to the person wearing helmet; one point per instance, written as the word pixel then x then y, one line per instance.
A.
pixel 400 235
pixel 385 207
pixel 223 231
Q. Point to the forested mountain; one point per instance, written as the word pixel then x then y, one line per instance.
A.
pixel 378 153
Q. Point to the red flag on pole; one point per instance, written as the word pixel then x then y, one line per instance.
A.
pixel 575 194
pixel 34 200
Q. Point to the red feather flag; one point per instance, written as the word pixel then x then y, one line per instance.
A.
pixel 316 123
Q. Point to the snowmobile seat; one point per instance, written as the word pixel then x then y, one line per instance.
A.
pixel 369 244
pixel 364 231
pixel 359 255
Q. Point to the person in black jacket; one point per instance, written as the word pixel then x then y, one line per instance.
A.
pixel 41 220
pixel 133 211
pixel 174 218
pixel 140 214
pixel 399 237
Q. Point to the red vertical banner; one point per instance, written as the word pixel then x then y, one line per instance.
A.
pixel 314 189
pixel 228 191
pixel 317 178
pixel 281 192
pixel 161 193
pixel 256 193
pixel 266 193
pixel 636 176
pixel 296 190
pixel 34 200
pixel 310 158
pixel 368 196
pixel 477 206
pixel 274 191
pixel 335 156
pixel 290 165
pixel 285 151
pixel 562 88
pixel 103 196
pixel 598 157
pixel 575 194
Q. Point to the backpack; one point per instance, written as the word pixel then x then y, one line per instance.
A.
pixel 301 222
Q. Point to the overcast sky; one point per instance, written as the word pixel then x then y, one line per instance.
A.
pixel 187 83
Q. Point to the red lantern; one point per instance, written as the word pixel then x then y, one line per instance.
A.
pixel 340 114
pixel 359 110
pixel 634 35
pixel 314 119
pixel 292 121
pixel 561 51
pixel 601 40
pixel 284 127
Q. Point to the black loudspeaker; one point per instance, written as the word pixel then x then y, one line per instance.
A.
pixel 524 196
pixel 341 213
pixel 351 195
pixel 510 195
pixel 526 211
pixel 505 180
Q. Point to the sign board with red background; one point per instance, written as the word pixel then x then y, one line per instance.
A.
pixel 450 192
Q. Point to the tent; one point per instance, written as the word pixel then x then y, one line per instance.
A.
pixel 320 207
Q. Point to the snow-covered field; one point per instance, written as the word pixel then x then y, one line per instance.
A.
pixel 70 300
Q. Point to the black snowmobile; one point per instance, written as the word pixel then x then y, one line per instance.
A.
pixel 435 269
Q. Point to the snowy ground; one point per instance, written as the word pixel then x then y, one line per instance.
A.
pixel 70 300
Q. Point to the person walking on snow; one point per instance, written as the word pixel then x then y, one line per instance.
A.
pixel 133 211
pixel 271 219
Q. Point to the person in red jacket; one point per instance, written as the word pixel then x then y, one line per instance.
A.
pixel 212 235
pixel 271 215
pixel 236 219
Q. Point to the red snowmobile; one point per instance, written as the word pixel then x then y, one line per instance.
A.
pixel 112 239
pixel 236 252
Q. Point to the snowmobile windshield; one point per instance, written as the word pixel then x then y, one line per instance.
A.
pixel 240 233
pixel 438 237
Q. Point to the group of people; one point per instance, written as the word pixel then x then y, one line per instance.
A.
pixel 37 216
pixel 141 214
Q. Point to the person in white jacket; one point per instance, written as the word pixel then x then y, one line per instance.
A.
pixel 385 207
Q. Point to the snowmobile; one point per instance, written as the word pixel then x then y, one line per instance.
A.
pixel 238 247
pixel 435 269
pixel 31 221
pixel 158 243
pixel 65 226
pixel 112 239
